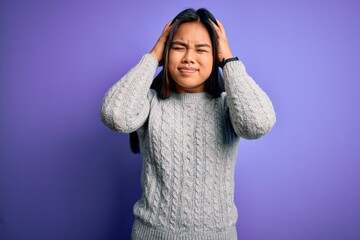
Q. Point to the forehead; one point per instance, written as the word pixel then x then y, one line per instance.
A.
pixel 192 32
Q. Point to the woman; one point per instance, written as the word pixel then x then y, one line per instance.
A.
pixel 187 128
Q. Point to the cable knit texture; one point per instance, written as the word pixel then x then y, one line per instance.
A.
pixel 188 143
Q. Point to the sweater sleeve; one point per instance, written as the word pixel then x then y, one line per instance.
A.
pixel 125 106
pixel 250 109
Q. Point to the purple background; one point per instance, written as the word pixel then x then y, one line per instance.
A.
pixel 64 175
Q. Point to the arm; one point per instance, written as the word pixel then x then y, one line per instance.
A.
pixel 251 111
pixel 125 106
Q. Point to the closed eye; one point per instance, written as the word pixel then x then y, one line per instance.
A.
pixel 178 48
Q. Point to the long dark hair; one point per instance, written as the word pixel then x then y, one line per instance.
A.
pixel 163 83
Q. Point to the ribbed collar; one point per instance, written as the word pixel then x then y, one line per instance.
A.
pixel 191 97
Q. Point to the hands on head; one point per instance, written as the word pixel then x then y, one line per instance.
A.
pixel 224 51
pixel 159 47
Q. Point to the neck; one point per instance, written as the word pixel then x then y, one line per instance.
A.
pixel 191 97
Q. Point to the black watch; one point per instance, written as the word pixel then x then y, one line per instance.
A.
pixel 225 61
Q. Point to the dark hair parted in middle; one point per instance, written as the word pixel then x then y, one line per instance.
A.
pixel 214 85
pixel 163 82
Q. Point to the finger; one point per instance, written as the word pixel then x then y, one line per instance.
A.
pixel 169 24
pixel 221 26
pixel 215 24
pixel 220 30
pixel 166 31
pixel 217 29
pixel 167 27
pixel 219 23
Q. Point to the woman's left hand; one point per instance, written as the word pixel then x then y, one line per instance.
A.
pixel 224 51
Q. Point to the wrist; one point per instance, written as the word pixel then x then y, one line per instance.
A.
pixel 226 60
pixel 155 56
pixel 226 53
pixel 226 56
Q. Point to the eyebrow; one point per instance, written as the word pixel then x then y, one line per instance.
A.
pixel 196 45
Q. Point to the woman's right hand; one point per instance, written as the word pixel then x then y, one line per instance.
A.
pixel 158 49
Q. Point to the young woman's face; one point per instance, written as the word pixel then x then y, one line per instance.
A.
pixel 190 58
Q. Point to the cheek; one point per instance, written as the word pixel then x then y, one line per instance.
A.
pixel 171 67
pixel 171 62
pixel 208 64
pixel 174 57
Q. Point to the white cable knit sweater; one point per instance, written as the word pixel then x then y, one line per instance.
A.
pixel 188 143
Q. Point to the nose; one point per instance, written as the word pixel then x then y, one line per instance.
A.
pixel 188 57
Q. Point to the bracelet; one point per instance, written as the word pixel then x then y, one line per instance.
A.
pixel 225 61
